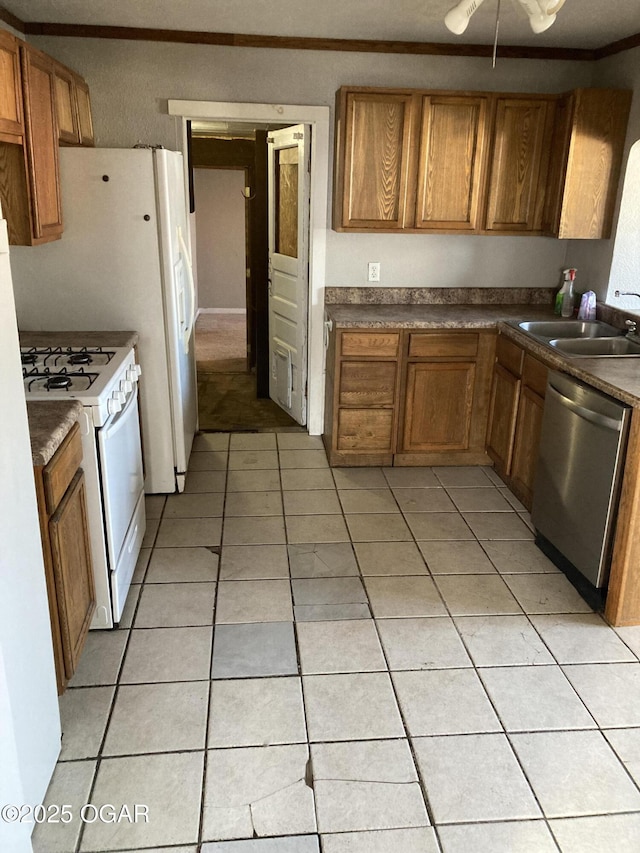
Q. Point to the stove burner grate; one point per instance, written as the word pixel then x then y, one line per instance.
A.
pixel 58 380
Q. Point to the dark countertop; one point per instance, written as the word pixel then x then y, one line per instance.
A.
pixel 618 377
pixel 78 339
pixel 49 424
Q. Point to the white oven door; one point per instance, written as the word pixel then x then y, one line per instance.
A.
pixel 122 487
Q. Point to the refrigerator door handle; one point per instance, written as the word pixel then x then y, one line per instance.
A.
pixel 192 291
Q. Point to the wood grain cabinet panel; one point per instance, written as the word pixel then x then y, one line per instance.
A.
pixel 587 151
pixel 519 164
pixel 69 534
pixel 85 121
pixel 368 430
pixel 505 393
pixel 62 510
pixel 66 106
pixel 515 416
pixel 527 444
pixel 374 138
pixel 370 383
pixel 11 117
pixel 437 344
pixel 453 144
pixel 438 405
pixel 42 148
pixel 374 344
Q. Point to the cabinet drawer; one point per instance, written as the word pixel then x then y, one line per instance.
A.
pixel 367 383
pixel 534 375
pixel 374 344
pixel 365 429
pixel 62 468
pixel 437 344
pixel 509 355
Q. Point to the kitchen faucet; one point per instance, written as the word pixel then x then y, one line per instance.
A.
pixel 618 293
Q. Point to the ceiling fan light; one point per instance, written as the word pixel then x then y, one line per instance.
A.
pixel 539 19
pixel 457 19
pixel 540 23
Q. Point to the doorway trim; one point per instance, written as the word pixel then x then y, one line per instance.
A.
pixel 318 118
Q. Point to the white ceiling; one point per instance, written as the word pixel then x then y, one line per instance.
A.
pixel 580 23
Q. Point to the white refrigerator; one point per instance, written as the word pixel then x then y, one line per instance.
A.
pixel 123 263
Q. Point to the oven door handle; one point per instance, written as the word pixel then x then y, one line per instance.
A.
pixel 121 417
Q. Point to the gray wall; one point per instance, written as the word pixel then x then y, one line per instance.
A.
pixel 131 82
pixel 220 238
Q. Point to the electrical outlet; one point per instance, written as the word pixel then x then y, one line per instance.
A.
pixel 374 271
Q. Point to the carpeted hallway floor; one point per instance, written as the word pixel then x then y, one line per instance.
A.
pixel 226 390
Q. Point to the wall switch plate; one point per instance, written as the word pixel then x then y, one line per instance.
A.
pixel 374 271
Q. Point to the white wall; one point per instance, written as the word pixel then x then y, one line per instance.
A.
pixel 29 715
pixel 131 82
pixel 220 238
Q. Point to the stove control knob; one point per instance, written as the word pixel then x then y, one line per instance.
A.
pixel 137 369
pixel 131 375
pixel 126 386
pixel 120 396
pixel 113 405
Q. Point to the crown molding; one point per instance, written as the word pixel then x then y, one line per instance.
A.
pixel 9 18
pixel 305 43
pixel 618 46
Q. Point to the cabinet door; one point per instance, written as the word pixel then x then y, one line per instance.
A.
pixel 451 162
pixel 593 163
pixel 373 160
pixel 73 573
pixel 438 406
pixel 505 391
pixel 519 164
pixel 66 107
pixel 527 442
pixel 11 122
pixel 85 121
pixel 42 144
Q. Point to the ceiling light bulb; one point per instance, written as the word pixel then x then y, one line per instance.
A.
pixel 457 19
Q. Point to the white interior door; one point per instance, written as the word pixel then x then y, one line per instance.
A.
pixel 289 199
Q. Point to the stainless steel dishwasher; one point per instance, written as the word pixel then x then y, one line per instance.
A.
pixel 577 485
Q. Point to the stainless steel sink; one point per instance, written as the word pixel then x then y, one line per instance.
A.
pixel 569 329
pixel 586 347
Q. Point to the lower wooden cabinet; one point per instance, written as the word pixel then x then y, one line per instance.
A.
pixel 60 490
pixel 408 398
pixel 515 416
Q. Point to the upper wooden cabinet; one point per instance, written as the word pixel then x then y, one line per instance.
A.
pixel 85 122
pixel 519 164
pixel 478 162
pixel 73 107
pixel 587 150
pixel 453 145
pixel 42 103
pixel 377 129
pixel 11 120
pixel 42 145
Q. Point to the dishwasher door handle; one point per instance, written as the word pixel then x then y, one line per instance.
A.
pixel 586 414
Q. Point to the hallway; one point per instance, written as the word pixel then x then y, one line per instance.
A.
pixel 349 661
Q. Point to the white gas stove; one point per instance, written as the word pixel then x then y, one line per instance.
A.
pixel 100 377
pixel 105 381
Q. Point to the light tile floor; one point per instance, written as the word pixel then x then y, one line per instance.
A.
pixel 348 661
